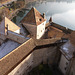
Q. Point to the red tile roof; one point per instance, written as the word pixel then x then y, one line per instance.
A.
pixel 55 32
pixel 72 37
pixel 33 17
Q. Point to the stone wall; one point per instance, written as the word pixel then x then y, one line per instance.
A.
pixel 45 55
pixel 13 36
pixel 23 67
pixel 72 67
pixel 16 37
pixel 2 36
pixel 14 58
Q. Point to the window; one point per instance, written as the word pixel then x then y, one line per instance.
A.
pixel 40 19
pixel 37 35
pixel 65 68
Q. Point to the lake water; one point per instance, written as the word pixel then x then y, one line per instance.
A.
pixel 62 11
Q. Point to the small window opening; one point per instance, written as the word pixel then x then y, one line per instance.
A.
pixel 40 19
pixel 65 68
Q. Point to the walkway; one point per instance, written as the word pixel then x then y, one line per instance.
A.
pixel 18 55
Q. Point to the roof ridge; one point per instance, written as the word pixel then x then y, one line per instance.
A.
pixel 34 15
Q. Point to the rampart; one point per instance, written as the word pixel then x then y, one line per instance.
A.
pixel 21 60
pixel 11 60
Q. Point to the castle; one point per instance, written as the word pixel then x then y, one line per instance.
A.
pixel 48 43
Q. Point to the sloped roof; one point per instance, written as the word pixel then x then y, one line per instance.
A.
pixel 33 17
pixel 20 53
pixel 72 37
pixel 54 32
pixel 11 26
pixel 7 47
pixel 67 31
pixel 67 49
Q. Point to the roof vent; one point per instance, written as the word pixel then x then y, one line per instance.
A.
pixel 44 15
pixel 50 20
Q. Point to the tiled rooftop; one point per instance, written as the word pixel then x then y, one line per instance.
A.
pixel 54 32
pixel 67 49
pixel 7 47
pixel 33 17
pixel 72 37
pixel 64 29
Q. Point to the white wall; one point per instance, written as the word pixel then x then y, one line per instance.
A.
pixel 63 64
pixel 40 30
pixel 17 31
pixel 46 55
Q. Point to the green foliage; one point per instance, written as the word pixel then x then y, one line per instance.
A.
pixel 40 67
pixel 14 5
pixel 41 70
pixel 10 9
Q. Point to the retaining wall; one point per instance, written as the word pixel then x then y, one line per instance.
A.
pixel 46 55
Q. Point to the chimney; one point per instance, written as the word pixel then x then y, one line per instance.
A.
pixel 44 15
pixel 66 28
pixel 50 20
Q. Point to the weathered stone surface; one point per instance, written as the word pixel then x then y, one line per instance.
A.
pixel 15 57
pixel 39 42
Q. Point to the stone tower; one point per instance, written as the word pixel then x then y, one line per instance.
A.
pixel 34 22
